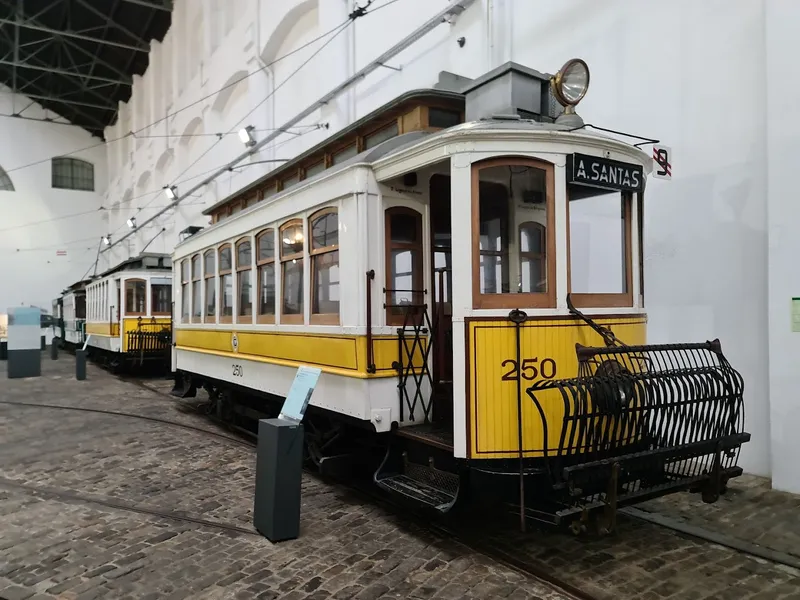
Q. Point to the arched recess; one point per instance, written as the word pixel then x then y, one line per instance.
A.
pixel 232 92
pixel 143 181
pixel 192 128
pixel 164 161
pixel 6 184
pixel 281 32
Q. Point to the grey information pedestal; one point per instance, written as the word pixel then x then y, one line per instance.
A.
pixel 279 471
pixel 279 462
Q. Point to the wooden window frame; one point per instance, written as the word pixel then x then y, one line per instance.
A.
pixel 206 276
pixel 419 268
pixel 186 263
pixel 260 317
pixel 291 319
pixel 532 255
pixel 291 175
pixel 623 300
pixel 515 300
pixel 220 289
pixel 242 269
pixel 196 281
pixel 129 313
pixel 321 318
pixel 640 224
pixel 362 139
pixel 152 302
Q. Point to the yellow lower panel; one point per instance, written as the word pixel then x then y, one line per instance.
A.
pixel 147 323
pixel 100 329
pixel 339 352
pixel 547 350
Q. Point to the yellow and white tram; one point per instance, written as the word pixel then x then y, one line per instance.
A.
pixel 69 311
pixel 466 270
pixel 129 312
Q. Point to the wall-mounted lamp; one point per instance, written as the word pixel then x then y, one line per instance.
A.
pixel 171 191
pixel 246 135
pixel 107 239
pixel 132 222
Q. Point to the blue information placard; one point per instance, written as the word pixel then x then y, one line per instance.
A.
pixel 296 403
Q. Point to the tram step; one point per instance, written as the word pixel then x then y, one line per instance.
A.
pixel 418 491
pixel 423 485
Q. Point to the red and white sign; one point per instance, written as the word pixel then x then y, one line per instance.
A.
pixel 662 162
pixel 61 252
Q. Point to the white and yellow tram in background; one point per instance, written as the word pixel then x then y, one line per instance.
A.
pixel 129 313
pixel 466 270
pixel 69 314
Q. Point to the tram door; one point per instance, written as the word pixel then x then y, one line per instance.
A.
pixel 441 303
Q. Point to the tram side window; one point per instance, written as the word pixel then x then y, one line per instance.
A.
pixel 599 247
pixel 135 297
pixel 80 307
pixel 324 226
pixel 210 277
pixel 185 298
pixel 292 243
pixel 265 260
pixel 161 298
pixel 225 284
pixel 197 304
pixel 403 263
pixel 514 205
pixel 244 278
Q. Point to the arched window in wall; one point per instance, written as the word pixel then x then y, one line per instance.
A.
pixel 5 182
pixel 225 284
pixel 197 307
pixel 135 297
pixel 533 257
pixel 265 260
pixel 210 276
pixel 404 287
pixel 72 174
pixel 292 244
pixel 244 279
pixel 324 227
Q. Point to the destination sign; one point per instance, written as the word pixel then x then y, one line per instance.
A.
pixel 605 173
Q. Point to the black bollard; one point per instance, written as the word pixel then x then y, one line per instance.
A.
pixel 80 365
pixel 3 350
pixel 44 343
pixel 54 349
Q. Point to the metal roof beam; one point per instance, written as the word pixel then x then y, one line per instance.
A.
pixel 28 24
pixel 109 107
pixel 79 75
pixel 111 23
pixel 158 5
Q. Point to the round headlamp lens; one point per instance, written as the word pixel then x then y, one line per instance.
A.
pixel 573 81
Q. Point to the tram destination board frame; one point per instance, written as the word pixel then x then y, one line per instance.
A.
pixel 604 173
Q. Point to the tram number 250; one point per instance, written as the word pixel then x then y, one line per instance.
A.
pixel 531 369
pixel 237 371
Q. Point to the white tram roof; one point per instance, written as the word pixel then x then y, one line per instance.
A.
pixel 146 261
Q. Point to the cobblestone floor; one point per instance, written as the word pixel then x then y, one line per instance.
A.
pixel 55 547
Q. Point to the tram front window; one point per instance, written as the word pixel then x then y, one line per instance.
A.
pixel 599 244
pixel 514 206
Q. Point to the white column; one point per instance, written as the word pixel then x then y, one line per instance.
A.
pixel 781 114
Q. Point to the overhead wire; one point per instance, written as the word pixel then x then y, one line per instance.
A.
pixel 183 108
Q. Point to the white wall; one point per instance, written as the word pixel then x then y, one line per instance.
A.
pixel 689 73
pixel 782 103
pixel 37 220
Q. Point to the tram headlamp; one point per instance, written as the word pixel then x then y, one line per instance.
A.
pixel 571 82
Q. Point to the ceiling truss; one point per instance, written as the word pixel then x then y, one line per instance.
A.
pixel 77 58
